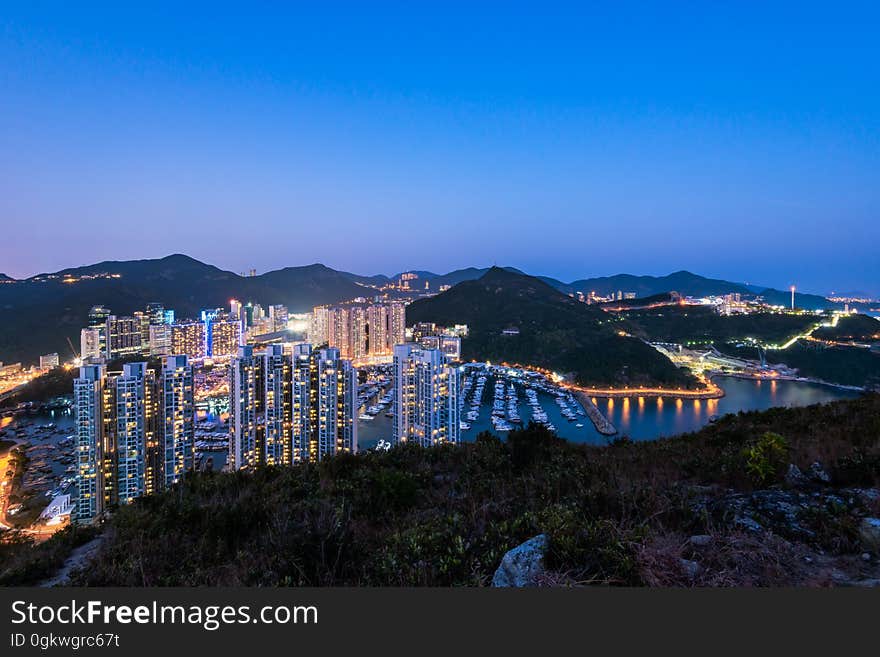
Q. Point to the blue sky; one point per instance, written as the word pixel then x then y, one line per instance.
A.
pixel 738 141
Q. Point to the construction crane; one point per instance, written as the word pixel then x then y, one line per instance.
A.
pixel 73 351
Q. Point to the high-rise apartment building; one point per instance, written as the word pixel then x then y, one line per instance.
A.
pixel 359 330
pixel 188 339
pixel 278 316
pixel 90 343
pixel 425 400
pixel 92 410
pixel 225 335
pixel 122 336
pixel 319 327
pixel 243 410
pixel 325 404
pixel 134 432
pixel 286 408
pixel 177 415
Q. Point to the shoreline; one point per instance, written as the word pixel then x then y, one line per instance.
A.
pixel 716 393
pixel 794 379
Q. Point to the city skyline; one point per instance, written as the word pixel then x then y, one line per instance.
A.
pixel 717 143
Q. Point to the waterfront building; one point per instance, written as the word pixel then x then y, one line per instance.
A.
pixel 425 400
pixel 134 432
pixel 89 406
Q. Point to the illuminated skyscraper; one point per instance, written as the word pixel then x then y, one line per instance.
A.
pixel 243 409
pixel 425 402
pixel 160 339
pixel 397 325
pixel 359 330
pixel 89 407
pixel 290 408
pixel 188 339
pixel 274 371
pixel 319 328
pixel 177 418
pixel 225 335
pixel 278 315
pixel 134 432
pixel 123 337
pixel 325 404
pixel 90 343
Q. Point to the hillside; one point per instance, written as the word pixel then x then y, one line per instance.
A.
pixel 859 328
pixel 849 366
pixel 47 311
pixel 721 507
pixel 695 325
pixel 556 332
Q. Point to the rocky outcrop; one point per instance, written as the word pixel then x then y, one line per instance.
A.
pixel 869 532
pixel 523 565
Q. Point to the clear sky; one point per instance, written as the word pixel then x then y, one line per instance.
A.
pixel 737 140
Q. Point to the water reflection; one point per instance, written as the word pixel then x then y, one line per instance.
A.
pixel 657 418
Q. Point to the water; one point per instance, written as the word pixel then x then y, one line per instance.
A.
pixel 646 418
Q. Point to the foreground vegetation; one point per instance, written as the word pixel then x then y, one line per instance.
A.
pixel 618 514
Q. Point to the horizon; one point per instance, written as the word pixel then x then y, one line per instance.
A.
pixel 442 271
pixel 575 142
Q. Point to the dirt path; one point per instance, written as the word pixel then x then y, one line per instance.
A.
pixel 77 559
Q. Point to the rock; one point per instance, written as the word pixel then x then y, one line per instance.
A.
pixel 794 477
pixel 817 473
pixel 691 568
pixel 522 565
pixel 747 522
pixel 700 540
pixel 869 531
pixel 866 556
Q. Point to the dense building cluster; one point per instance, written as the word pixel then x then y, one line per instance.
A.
pixel 359 330
pixel 155 333
pixel 289 402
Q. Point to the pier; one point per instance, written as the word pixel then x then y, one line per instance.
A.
pixel 603 424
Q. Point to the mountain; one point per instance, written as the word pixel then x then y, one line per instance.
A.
pixel 690 284
pixel 555 331
pixel 683 282
pixel 46 310
pixel 435 281
pixel 4 278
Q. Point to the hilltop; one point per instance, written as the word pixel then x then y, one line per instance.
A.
pixel 776 498
pixel 554 331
